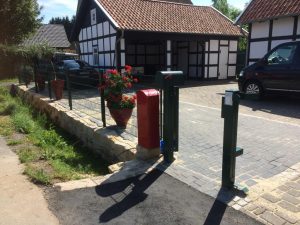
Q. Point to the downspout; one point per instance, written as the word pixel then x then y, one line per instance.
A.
pixel 116 48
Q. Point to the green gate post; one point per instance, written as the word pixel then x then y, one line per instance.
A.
pixel 168 81
pixel 67 76
pixel 230 110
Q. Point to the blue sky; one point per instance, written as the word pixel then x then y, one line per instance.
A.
pixel 59 8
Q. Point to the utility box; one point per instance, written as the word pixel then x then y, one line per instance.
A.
pixel 148 118
pixel 169 78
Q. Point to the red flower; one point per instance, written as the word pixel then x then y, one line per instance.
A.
pixel 134 96
pixel 124 78
pixel 128 68
pixel 135 80
pixel 114 72
pixel 105 77
pixel 129 85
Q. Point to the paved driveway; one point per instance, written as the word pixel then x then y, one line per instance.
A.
pixel 268 131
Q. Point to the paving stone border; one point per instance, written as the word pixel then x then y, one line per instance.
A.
pixel 104 141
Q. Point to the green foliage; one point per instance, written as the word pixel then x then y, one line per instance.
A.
pixel 51 154
pixel 38 175
pixel 28 155
pixel 228 10
pixel 68 23
pixel 18 19
pixel 14 142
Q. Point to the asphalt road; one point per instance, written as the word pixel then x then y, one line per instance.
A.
pixel 155 198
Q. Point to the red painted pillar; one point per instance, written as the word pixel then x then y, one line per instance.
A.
pixel 148 123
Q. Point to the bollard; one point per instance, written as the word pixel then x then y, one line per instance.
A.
pixel 148 124
pixel 230 109
pixel 168 81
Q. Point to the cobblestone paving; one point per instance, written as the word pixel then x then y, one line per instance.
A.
pixel 268 131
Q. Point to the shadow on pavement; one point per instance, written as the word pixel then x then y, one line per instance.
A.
pixel 283 105
pixel 133 189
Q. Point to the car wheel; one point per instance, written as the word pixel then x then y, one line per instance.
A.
pixel 253 88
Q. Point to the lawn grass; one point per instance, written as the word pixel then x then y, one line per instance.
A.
pixel 50 154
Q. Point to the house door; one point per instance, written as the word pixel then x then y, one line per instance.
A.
pixel 183 60
pixel 223 63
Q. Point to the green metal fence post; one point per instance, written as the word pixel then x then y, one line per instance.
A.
pixel 230 109
pixel 168 82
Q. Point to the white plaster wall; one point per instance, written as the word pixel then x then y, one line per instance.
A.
pixel 84 34
pixel 91 61
pixel 85 47
pixel 94 31
pixel 169 59
pixel 232 58
pixel 107 59
pixel 100 45
pixel 206 46
pixel 112 43
pixel 213 58
pixel 89 32
pixel 258 49
pixel 106 44
pixel 260 30
pixel 214 45
pixel 231 71
pixel 298 29
pixel 283 26
pixel 90 47
pixel 122 45
pixel 168 45
pixel 101 59
pixel 205 72
pixel 86 58
pixel 278 42
pixel 95 42
pixel 206 58
pixel 100 29
pixel 213 72
pixel 112 30
pixel 233 46
pixel 106 28
pixel 122 59
pixel 224 42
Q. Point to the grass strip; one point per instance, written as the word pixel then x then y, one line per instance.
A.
pixel 50 154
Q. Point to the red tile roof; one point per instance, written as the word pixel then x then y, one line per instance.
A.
pixel 162 16
pixel 259 10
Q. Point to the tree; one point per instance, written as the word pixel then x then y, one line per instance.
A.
pixel 226 9
pixel 18 20
pixel 68 24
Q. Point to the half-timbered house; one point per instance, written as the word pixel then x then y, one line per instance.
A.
pixel 270 23
pixel 153 35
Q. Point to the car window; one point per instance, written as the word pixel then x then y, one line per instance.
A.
pixel 282 55
pixel 72 65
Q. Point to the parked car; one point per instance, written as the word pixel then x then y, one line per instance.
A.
pixel 79 72
pixel 278 70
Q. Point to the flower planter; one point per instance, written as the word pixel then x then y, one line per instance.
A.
pixel 58 88
pixel 40 81
pixel 120 116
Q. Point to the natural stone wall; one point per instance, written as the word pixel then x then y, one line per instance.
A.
pixel 103 141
